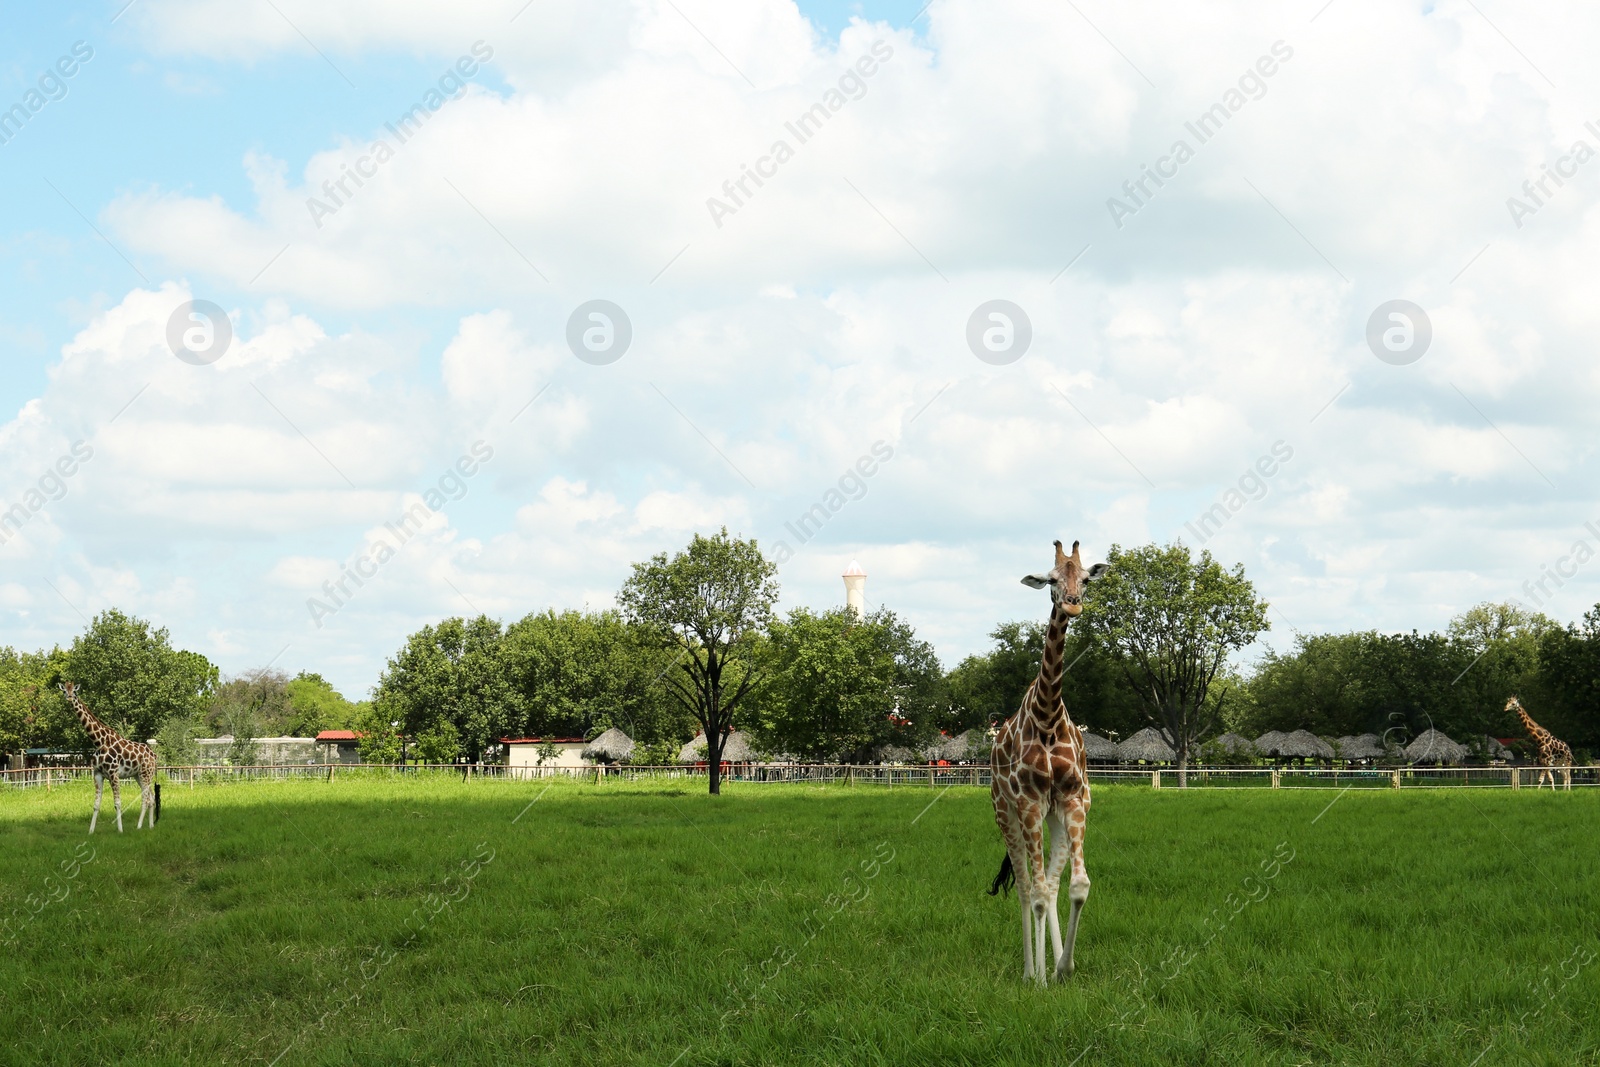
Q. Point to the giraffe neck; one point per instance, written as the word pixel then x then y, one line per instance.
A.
pixel 1047 687
pixel 98 731
pixel 1528 724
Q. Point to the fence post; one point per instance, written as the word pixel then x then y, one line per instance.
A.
pixel 1516 778
pixel 930 777
pixel 1397 777
pixel 1155 779
pixel 1274 777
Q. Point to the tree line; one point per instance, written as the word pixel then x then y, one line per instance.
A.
pixel 695 644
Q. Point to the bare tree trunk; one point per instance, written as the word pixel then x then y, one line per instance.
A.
pixel 1183 767
pixel 714 755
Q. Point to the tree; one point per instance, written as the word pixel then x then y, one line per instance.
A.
pixel 577 674
pixel 710 605
pixel 32 711
pixel 450 673
pixel 840 686
pixel 132 678
pixel 1171 623
pixel 315 705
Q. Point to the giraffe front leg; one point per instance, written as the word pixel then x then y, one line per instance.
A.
pixel 99 789
pixel 1058 860
pixel 116 800
pixel 1019 864
pixel 1076 818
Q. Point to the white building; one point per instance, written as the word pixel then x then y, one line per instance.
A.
pixel 523 754
pixel 855 589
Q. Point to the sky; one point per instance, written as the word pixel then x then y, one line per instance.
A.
pixel 322 322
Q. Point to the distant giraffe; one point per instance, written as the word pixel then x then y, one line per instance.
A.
pixel 1041 776
pixel 116 757
pixel 1553 752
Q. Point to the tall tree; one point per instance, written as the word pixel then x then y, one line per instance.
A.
pixel 841 685
pixel 581 673
pixel 1171 622
pixel 132 678
pixel 710 605
pixel 450 673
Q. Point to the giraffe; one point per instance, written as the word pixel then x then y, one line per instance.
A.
pixel 1040 775
pixel 1552 752
pixel 116 757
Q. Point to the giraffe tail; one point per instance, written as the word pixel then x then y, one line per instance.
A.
pixel 155 818
pixel 1005 879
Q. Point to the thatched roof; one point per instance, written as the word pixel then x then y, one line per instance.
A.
pixel 613 746
pixel 1097 747
pixel 1270 742
pixel 1360 746
pixel 964 746
pixel 1431 746
pixel 736 749
pixel 1147 745
pixel 1303 744
pixel 897 754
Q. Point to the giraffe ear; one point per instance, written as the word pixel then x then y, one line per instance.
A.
pixel 1096 571
pixel 1036 581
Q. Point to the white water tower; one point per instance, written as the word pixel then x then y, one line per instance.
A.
pixel 855 589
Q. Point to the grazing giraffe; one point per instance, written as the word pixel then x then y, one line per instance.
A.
pixel 1552 751
pixel 1041 775
pixel 116 757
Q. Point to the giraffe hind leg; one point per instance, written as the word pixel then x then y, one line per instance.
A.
pixel 116 799
pixel 99 789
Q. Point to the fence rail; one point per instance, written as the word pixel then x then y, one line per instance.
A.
pixel 885 775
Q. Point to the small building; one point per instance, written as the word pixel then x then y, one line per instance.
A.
pixel 736 748
pixel 338 746
pixel 1099 749
pixel 1146 746
pixel 524 755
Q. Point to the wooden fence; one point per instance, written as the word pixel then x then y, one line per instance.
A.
pixel 884 775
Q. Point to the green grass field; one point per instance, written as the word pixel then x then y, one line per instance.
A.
pixel 440 922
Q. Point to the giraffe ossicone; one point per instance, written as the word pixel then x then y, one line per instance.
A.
pixel 116 757
pixel 1040 777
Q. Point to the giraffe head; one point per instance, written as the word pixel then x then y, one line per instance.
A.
pixel 1067 579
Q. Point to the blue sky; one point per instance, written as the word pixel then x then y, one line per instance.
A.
pixel 1182 330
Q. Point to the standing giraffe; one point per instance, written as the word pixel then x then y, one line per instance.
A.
pixel 1552 752
pixel 116 757
pixel 1041 775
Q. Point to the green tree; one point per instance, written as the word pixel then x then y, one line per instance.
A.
pixel 378 736
pixel 453 672
pixel 1171 623
pixel 132 678
pixel 577 674
pixel 32 711
pixel 1566 696
pixel 315 705
pixel 710 605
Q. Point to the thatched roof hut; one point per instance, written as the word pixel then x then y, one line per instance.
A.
pixel 1431 746
pixel 736 749
pixel 1099 748
pixel 1270 742
pixel 897 754
pixel 1360 747
pixel 1303 744
pixel 966 746
pixel 613 746
pixel 1148 746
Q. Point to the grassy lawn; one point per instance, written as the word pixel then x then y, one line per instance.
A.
pixel 440 922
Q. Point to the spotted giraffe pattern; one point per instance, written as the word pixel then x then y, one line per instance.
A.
pixel 115 758
pixel 1553 752
pixel 1040 776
